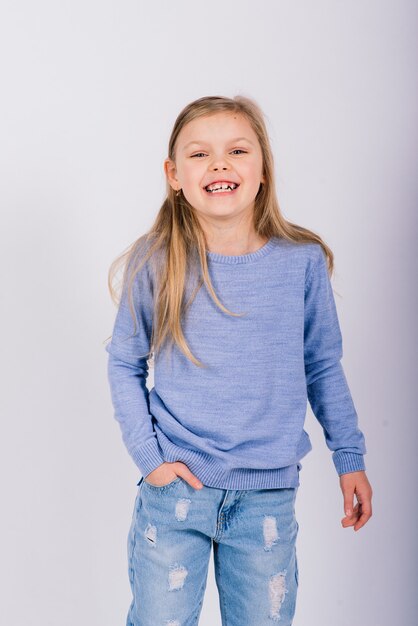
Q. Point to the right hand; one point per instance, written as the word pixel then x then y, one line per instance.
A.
pixel 167 472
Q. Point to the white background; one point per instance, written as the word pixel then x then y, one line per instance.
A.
pixel 89 93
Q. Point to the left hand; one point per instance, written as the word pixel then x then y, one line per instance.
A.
pixel 356 483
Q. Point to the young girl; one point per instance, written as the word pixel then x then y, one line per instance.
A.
pixel 236 305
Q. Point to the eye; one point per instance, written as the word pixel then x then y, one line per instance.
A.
pixel 198 154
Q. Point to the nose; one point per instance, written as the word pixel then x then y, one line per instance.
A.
pixel 219 163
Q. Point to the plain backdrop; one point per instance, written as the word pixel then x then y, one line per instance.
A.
pixel 89 93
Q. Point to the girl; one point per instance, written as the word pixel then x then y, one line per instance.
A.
pixel 236 306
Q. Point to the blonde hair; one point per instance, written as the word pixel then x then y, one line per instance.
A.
pixel 178 244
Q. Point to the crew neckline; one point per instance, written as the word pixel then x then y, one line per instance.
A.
pixel 242 258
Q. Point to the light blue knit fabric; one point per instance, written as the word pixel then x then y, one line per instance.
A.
pixel 238 422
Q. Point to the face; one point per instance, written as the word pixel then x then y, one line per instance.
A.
pixel 218 148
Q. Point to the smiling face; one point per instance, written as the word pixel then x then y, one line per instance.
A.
pixel 219 148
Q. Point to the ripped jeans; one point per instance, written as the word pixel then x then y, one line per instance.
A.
pixel 254 541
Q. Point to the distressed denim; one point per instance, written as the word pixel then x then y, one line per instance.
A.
pixel 254 541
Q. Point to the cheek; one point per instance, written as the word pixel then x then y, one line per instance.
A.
pixel 251 168
pixel 191 177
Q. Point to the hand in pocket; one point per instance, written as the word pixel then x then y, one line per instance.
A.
pixel 167 472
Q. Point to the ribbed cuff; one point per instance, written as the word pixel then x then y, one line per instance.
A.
pixel 346 462
pixel 148 457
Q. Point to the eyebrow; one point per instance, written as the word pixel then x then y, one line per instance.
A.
pixel 203 142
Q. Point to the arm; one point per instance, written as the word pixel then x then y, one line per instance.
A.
pixel 127 374
pixel 328 391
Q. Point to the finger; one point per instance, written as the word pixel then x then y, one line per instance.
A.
pixel 348 501
pixel 360 522
pixel 350 520
pixel 188 476
pixel 364 497
pixel 366 513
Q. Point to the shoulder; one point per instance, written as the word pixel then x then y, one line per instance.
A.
pixel 140 265
pixel 303 259
pixel 307 254
pixel 141 247
pixel 146 249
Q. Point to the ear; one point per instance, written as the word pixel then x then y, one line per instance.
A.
pixel 170 172
pixel 263 179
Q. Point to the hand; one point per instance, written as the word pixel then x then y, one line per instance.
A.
pixel 167 472
pixel 356 482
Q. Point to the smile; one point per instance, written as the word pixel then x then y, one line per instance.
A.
pixel 221 187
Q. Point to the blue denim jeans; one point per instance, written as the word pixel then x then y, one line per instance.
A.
pixel 254 541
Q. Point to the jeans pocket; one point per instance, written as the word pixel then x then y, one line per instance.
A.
pixel 163 487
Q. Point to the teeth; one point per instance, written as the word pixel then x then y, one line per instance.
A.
pixel 216 187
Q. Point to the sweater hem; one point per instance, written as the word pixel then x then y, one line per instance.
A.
pixel 211 474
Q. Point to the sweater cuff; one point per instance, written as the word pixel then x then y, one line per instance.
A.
pixel 346 462
pixel 148 457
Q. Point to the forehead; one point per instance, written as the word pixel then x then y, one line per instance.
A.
pixel 222 126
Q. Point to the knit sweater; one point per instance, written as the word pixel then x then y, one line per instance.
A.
pixel 237 423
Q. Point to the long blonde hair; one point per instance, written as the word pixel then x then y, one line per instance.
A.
pixel 178 243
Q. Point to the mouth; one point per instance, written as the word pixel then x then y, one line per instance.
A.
pixel 222 187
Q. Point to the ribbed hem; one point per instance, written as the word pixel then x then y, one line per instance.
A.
pixel 346 462
pixel 243 258
pixel 212 475
pixel 148 457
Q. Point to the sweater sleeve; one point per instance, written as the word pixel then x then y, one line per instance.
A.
pixel 127 374
pixel 327 388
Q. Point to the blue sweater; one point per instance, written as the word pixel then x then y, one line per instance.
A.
pixel 238 422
